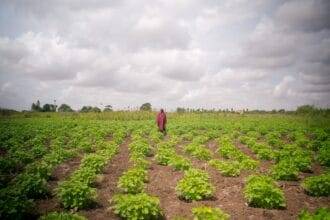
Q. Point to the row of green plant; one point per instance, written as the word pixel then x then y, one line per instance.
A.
pixel 236 162
pixel 77 192
pixel 133 202
pixel 17 197
pixel 262 150
pixel 198 150
pixel 166 155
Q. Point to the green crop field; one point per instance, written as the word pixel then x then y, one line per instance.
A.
pixel 117 165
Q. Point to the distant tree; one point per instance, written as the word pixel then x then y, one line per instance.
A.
pixel 90 109
pixel 180 110
pixel 49 108
pixel 281 111
pixel 273 111
pixel 35 107
pixel 108 108
pixel 65 108
pixel 96 109
pixel 86 109
pixel 306 109
pixel 145 107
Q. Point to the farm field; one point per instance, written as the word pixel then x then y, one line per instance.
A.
pixel 207 166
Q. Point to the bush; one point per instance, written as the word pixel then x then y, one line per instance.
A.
pixel 262 192
pixel 195 185
pixel 226 168
pixel 13 204
pixel 285 170
pixel 249 164
pixel 180 163
pixel 94 162
pixel 198 151
pixel 317 185
pixel 164 155
pixel 138 206
pixel 75 194
pixel 31 185
pixel 84 175
pixel 320 214
pixel 132 181
pixel 208 213
pixel 62 216
pixel 324 155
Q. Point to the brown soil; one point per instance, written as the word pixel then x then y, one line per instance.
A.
pixel 107 187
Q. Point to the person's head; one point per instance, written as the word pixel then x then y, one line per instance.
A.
pixel 162 110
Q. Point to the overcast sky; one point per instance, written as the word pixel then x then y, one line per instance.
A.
pixel 205 54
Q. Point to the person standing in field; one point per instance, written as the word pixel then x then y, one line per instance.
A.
pixel 161 121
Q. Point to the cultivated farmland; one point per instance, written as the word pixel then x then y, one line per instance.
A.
pixel 208 166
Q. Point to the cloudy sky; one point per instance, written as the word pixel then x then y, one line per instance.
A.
pixel 209 53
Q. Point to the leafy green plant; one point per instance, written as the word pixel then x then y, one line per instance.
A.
pixel 209 213
pixel 14 204
pixel 262 192
pixel 94 162
pixel 164 155
pixel 226 168
pixel 31 185
pixel 195 185
pixel 320 214
pixel 84 175
pixel 132 181
pixel 324 155
pixel 180 163
pixel 198 151
pixel 285 170
pixel 75 194
pixel 137 206
pixel 62 216
pixel 317 185
pixel 249 164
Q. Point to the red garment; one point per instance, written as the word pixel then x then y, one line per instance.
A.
pixel 161 121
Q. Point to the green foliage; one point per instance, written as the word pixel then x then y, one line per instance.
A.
pixel 320 214
pixel 65 108
pixel 137 206
pixel 226 168
pixel 132 181
pixel 180 163
pixel 62 216
pixel 94 162
pixel 164 155
pixel 198 151
pixel 195 185
pixel 75 194
pixel 324 154
pixel 262 192
pixel 285 170
pixel 145 107
pixel 209 213
pixel 14 204
pixel 249 164
pixel 31 185
pixel 317 185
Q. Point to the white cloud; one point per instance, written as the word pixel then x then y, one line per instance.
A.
pixel 171 53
